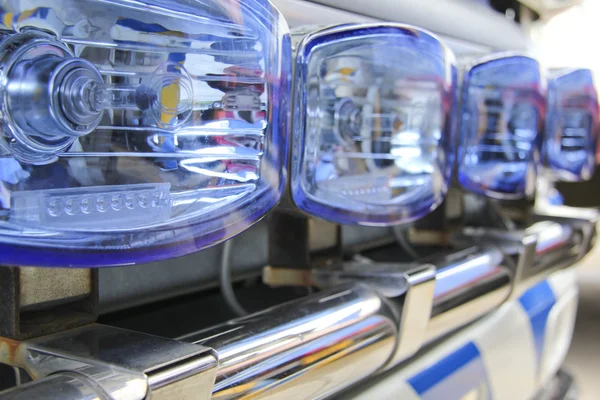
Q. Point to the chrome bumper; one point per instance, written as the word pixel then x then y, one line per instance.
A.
pixel 369 318
pixel 512 353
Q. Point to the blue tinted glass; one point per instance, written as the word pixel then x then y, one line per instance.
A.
pixel 373 124
pixel 138 131
pixel 572 125
pixel 503 114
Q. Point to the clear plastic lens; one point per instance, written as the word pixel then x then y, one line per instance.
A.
pixel 138 130
pixel 572 126
pixel 504 103
pixel 373 124
pixel 93 209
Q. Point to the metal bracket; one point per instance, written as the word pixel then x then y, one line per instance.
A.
pixel 557 240
pixel 112 363
pixel 409 287
pixel 416 312
pixel 296 244
pixel 430 299
pixel 435 228
pixel 584 220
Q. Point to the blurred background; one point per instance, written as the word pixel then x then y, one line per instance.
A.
pixel 584 357
pixel 569 39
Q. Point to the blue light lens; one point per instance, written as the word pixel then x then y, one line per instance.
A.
pixel 572 125
pixel 504 105
pixel 134 131
pixel 373 135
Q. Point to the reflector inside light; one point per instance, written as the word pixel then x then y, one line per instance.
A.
pixel 138 130
pixel 373 124
pixel 572 125
pixel 504 107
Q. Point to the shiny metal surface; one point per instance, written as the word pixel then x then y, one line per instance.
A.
pixel 468 285
pixel 120 364
pixel 543 247
pixel 32 84
pixel 550 236
pixel 370 317
pixel 62 386
pixel 432 299
pixel 561 237
pixel 408 287
pixel 374 316
pixel 416 313
pixel 30 109
pixel 503 349
pixel 583 221
pixel 310 348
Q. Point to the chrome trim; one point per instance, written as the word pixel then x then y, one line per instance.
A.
pixel 505 350
pixel 374 316
pixel 106 362
pixel 67 385
pixel 550 236
pixel 436 297
pixel 316 346
pixel 537 251
pixel 415 317
pixel 584 221
pixel 561 237
pixel 370 317
pixel 469 285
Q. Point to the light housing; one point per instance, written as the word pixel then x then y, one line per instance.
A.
pixel 373 125
pixel 503 112
pixel 572 125
pixel 135 131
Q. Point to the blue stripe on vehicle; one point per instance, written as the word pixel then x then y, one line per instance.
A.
pixel 454 376
pixel 537 303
